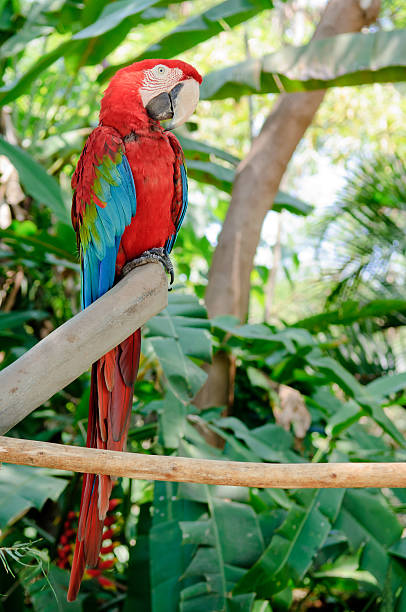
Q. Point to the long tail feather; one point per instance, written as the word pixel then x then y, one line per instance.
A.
pixel 111 394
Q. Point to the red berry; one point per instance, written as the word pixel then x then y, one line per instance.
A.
pixel 103 565
pixel 114 503
pixel 107 549
pixel 108 534
pixel 106 583
pixel 93 573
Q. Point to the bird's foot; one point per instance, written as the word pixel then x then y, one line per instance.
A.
pixel 151 256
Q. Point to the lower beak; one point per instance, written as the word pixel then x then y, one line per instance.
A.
pixel 178 104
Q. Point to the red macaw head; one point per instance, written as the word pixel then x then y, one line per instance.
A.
pixel 151 89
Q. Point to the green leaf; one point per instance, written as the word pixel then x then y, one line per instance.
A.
pixel 112 15
pixel 18 42
pixel 346 416
pixel 358 392
pixel 387 385
pixel 36 181
pixel 195 149
pixel 211 173
pixel 294 544
pixel 184 377
pixel 168 556
pixel 369 524
pixel 342 60
pixel 138 595
pixel 220 557
pixel 176 334
pixel 11 91
pixel 196 29
pixel 269 442
pixel 50 591
pixel 16 318
pixel 285 201
pixel 41 243
pixel 353 312
pixel 202 168
pixel 26 487
pixel 172 420
pixel 399 549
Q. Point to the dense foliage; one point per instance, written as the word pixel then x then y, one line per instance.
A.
pixel 326 387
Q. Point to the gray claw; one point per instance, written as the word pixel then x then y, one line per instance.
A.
pixel 156 254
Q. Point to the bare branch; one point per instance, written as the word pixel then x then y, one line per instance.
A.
pixel 185 469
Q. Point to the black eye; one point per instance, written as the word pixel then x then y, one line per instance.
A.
pixel 161 70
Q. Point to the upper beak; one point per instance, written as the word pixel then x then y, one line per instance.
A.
pixel 178 104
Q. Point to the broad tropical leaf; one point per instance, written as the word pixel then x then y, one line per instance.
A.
pixel 342 60
pixel 179 335
pixel 361 513
pixel 197 29
pixel 16 318
pixel 202 167
pixel 294 544
pixel 26 487
pixel 37 182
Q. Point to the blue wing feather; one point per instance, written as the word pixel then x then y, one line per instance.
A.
pixel 115 187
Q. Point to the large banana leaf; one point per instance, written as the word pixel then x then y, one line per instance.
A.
pixel 112 15
pixel 295 543
pixel 198 29
pixel 179 336
pixel 194 554
pixel 346 59
pixel 220 557
pixel 23 487
pixel 178 333
pixel 370 525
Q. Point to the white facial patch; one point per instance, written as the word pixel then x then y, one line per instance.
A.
pixel 157 80
pixel 186 103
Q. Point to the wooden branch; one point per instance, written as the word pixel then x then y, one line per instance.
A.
pixel 71 349
pixel 183 469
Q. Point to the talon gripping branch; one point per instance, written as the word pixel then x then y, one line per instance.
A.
pixel 130 198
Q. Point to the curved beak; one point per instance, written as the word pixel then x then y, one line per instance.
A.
pixel 178 104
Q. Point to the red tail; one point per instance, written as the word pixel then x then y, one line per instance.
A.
pixel 111 395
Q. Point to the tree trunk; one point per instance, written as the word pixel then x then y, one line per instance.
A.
pixel 257 181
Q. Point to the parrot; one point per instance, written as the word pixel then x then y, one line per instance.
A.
pixel 130 197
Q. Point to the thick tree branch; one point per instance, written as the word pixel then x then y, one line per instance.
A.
pixel 71 349
pixel 257 181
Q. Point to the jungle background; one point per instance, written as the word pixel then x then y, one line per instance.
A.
pixel 284 339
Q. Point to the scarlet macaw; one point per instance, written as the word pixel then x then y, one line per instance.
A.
pixel 130 198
